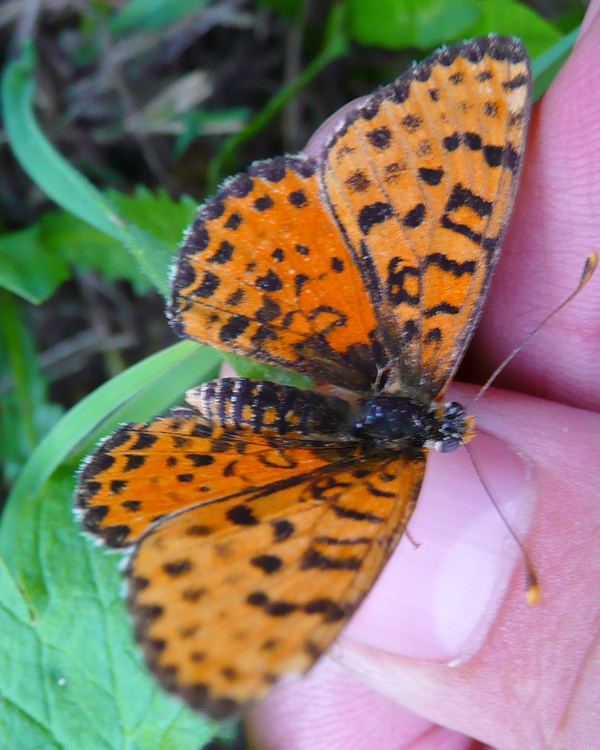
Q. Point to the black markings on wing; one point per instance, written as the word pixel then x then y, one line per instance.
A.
pixel 427 167
pixel 249 278
pixel 145 471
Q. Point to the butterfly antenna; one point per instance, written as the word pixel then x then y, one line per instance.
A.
pixel 532 594
pixel 588 270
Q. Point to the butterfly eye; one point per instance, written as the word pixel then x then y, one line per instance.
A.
pixel 447 445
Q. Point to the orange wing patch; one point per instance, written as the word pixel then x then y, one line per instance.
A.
pixel 222 614
pixel 144 472
pixel 258 272
pixel 421 180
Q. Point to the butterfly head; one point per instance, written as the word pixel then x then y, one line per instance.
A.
pixel 451 427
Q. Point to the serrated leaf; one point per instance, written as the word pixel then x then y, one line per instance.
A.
pixel 71 675
pixel 86 247
pixel 20 252
pixel 157 213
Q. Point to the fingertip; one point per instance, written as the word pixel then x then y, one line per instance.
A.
pixel 331 709
pixel 436 601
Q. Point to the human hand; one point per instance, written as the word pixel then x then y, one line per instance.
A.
pixel 451 652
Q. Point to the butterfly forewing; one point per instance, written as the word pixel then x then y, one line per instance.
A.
pixel 228 598
pixel 421 180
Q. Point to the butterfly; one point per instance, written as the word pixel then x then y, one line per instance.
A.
pixel 260 515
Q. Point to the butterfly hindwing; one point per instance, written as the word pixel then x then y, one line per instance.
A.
pixel 264 272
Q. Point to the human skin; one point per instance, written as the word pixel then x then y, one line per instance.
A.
pixel 445 652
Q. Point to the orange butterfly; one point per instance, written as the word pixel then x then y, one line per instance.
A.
pixel 261 517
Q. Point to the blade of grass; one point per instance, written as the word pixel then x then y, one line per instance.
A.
pixel 546 66
pixel 143 390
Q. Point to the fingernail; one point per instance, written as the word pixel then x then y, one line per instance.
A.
pixel 437 601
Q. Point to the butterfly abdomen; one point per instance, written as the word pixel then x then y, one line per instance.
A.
pixel 270 407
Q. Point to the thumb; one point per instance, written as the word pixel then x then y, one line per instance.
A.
pixel 517 676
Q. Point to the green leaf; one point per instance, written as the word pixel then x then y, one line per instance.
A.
pixel 514 18
pixel 160 215
pixel 71 676
pixel 142 391
pixel 62 182
pixel 20 252
pixel 569 21
pixel 251 368
pixel 397 24
pixel 146 15
pixel 39 158
pixel 86 247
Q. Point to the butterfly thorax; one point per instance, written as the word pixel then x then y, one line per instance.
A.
pixel 398 420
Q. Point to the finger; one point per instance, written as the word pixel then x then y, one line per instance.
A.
pixel 554 227
pixel 527 679
pixel 332 710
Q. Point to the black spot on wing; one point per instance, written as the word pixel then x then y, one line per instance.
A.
pixel 134 462
pixel 358 182
pixel 222 254
pixel 282 529
pixel 380 137
pixel 208 286
pixel 431 176
pixel 242 516
pixel 298 198
pixel 374 214
pixel 451 142
pixel 235 326
pixel 414 217
pixel 177 568
pixel 315 559
pixel 411 123
pixel 233 221
pixel 516 83
pixel 267 563
pixel 264 203
pixel 270 282
pixel 447 264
